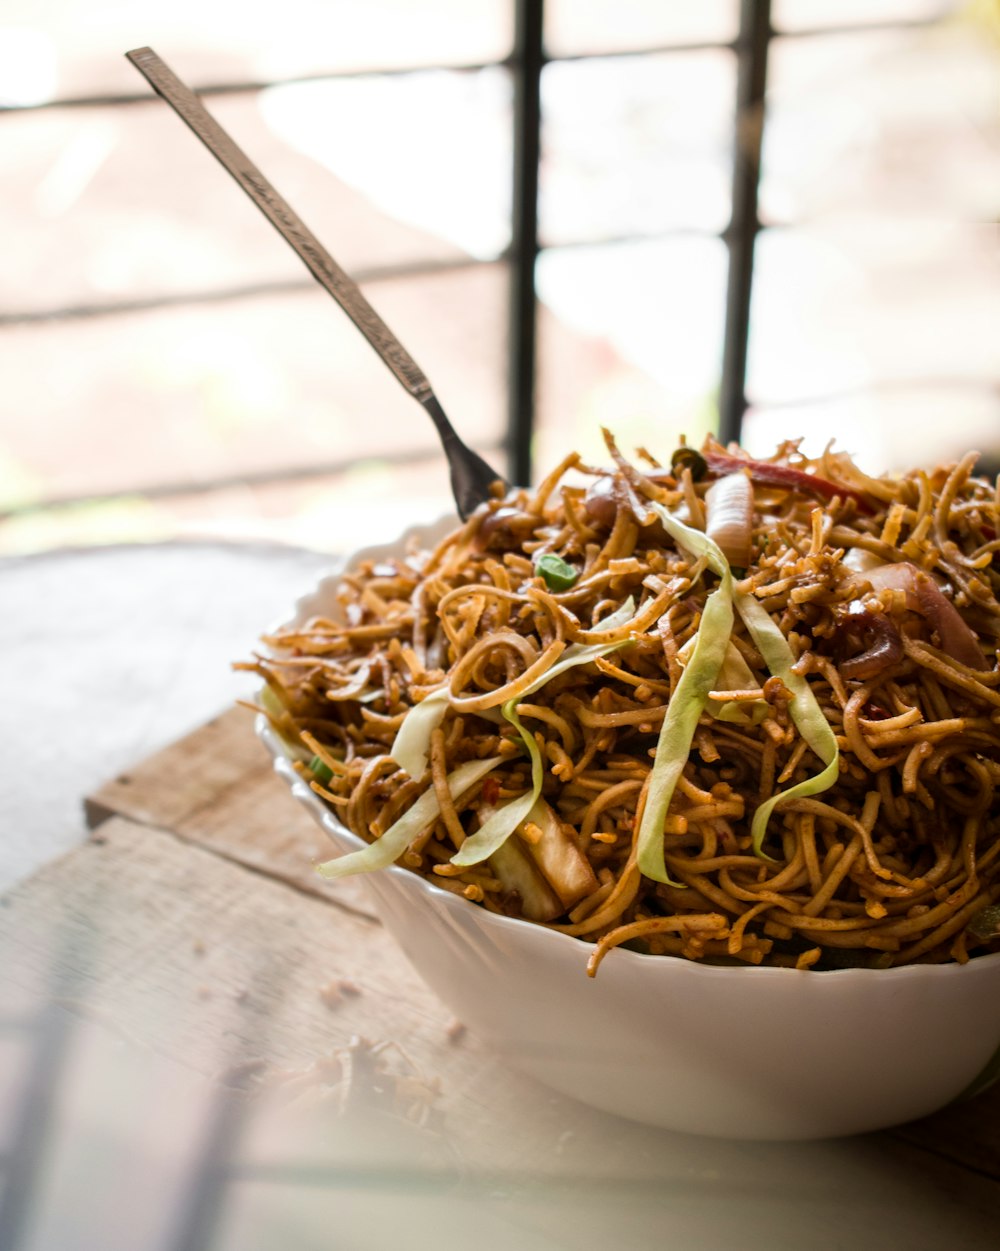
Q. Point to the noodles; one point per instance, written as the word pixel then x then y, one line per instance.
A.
pixel 791 763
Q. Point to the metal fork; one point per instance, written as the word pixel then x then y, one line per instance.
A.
pixel 471 477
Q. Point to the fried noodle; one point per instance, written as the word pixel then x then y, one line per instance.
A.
pixel 885 592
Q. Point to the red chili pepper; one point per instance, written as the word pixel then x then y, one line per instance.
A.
pixel 784 476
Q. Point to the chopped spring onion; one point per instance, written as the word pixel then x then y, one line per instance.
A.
pixel 806 712
pixel 320 771
pixel 556 572
pixel 399 835
pixel 689 699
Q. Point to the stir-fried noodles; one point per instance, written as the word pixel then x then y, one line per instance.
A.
pixel 726 709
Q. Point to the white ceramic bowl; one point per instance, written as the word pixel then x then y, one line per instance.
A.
pixel 755 1053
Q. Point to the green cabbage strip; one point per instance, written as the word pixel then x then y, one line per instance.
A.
pixel 735 675
pixel 806 713
pixel 410 751
pixel 504 821
pixel 399 835
pixel 276 710
pixel 689 699
pixel 412 744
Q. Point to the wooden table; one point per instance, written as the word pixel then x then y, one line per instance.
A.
pixel 203 1045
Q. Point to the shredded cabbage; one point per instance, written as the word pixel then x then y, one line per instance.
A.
pixel 806 712
pixel 412 744
pixel 401 833
pixel 735 675
pixel 276 711
pixel 689 699
pixel 499 826
pixel 504 821
pixel 710 658
pixel 411 749
pixel 709 654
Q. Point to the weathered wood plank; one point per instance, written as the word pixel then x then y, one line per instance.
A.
pixel 172 785
pixel 192 955
pixel 187 953
pixel 216 788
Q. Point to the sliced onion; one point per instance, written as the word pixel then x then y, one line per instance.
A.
pixel 513 866
pixel 860 560
pixel 600 503
pixel 505 527
pixel 558 858
pixel 607 494
pixel 729 522
pixel 883 646
pixel 923 595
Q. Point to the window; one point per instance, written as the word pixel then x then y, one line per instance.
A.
pixel 170 369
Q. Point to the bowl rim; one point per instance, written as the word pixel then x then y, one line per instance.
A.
pixel 409 879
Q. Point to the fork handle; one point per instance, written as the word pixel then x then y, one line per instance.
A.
pixel 285 220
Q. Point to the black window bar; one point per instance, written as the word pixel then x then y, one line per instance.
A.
pixel 527 64
pixel 751 82
pixel 528 61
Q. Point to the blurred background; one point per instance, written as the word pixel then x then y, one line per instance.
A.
pixel 170 370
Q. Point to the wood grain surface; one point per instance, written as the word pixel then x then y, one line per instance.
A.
pixel 215 787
